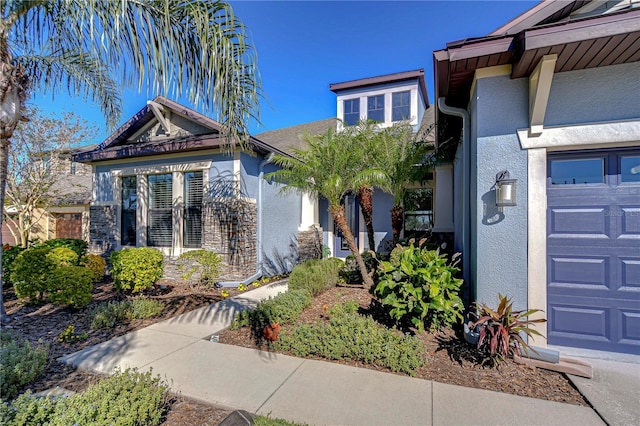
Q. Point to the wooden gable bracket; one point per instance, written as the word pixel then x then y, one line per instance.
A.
pixel 157 110
pixel 539 89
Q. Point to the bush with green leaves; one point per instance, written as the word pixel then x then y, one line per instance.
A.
pixel 9 254
pixel 77 245
pixel 70 286
pixel 136 269
pixel 348 335
pixel 69 335
pixel 421 289
pixel 350 271
pixel 107 315
pixel 200 267
pixel 30 273
pixel 63 256
pixel 500 331
pixel 96 264
pixel 285 308
pixel 126 398
pixel 20 363
pixel 314 275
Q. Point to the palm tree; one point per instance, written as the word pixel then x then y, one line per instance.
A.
pixel 329 166
pixel 192 48
pixel 402 158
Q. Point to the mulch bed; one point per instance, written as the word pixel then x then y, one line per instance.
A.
pixel 450 359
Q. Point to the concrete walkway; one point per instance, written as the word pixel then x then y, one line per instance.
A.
pixel 301 390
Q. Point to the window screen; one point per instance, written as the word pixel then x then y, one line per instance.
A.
pixel 159 220
pixel 193 209
pixel 375 108
pixel 351 112
pixel 401 107
pixel 128 211
pixel 418 206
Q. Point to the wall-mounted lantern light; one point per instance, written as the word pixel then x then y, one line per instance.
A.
pixel 505 189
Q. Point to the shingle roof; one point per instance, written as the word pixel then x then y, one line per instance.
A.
pixel 292 137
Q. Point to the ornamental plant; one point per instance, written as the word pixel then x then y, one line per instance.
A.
pixel 20 363
pixel 77 245
pixel 9 254
pixel 421 289
pixel 501 331
pixel 63 256
pixel 315 275
pixel 30 272
pixel 204 265
pixel 70 286
pixel 96 264
pixel 136 269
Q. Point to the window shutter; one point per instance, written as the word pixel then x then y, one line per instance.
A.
pixel 193 190
pixel 159 220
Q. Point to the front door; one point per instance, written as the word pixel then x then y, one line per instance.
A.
pixel 351 210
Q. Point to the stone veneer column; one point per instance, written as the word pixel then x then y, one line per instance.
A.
pixel 103 229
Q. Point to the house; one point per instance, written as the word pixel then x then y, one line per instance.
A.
pixel 553 98
pixel 66 214
pixel 164 180
pixel 387 99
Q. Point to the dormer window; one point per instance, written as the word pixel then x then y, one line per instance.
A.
pixel 401 106
pixel 351 112
pixel 375 108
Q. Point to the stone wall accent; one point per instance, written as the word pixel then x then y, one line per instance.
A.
pixel 230 229
pixel 310 244
pixel 102 229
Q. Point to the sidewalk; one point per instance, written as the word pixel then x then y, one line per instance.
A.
pixel 301 390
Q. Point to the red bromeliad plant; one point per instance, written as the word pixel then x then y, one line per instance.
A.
pixel 500 330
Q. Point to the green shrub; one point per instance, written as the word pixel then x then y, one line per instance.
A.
pixel 63 256
pixel 30 272
pixel 314 275
pixel 350 272
pixel 284 308
pixel 421 289
pixel 107 315
pixel 268 421
pixel 96 264
pixel 75 244
pixel 136 269
pixel 396 255
pixel 9 254
pixel 70 285
pixel 203 264
pixel 69 335
pixel 127 398
pixel 352 336
pixel 20 363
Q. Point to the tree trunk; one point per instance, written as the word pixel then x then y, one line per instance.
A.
pixel 343 226
pixel 365 195
pixel 397 222
pixel 4 160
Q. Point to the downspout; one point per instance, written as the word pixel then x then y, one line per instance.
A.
pixel 258 273
pixel 466 188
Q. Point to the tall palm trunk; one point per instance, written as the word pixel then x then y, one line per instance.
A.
pixel 365 195
pixel 341 221
pixel 397 222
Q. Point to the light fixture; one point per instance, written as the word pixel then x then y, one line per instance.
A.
pixel 505 189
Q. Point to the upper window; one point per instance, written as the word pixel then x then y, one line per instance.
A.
pixel 401 106
pixel 351 112
pixel 375 108
pixel 193 209
pixel 159 215
pixel 577 172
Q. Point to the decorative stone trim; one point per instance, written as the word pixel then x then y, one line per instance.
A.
pixel 103 220
pixel 310 244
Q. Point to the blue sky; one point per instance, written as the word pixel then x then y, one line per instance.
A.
pixel 303 46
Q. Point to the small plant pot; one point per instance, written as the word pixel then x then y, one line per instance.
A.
pixel 471 336
pixel 271 332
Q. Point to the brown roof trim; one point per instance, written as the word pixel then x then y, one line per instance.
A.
pixel 387 78
pixel 540 13
pixel 189 113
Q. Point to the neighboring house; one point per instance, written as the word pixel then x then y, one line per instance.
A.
pixel 162 180
pixel 387 99
pixel 553 97
pixel 67 213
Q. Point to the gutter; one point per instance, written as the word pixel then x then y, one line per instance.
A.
pixel 258 273
pixel 466 161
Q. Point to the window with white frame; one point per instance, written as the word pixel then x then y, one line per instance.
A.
pixel 351 111
pixel 401 106
pixel 160 210
pixel 418 211
pixel 193 191
pixel 375 108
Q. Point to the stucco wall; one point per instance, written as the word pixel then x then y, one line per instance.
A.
pixel 382 204
pixel 499 239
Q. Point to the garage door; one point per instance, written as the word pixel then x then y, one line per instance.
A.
pixel 593 250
